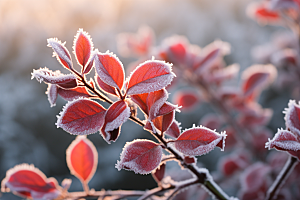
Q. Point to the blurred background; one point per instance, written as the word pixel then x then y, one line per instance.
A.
pixel 28 133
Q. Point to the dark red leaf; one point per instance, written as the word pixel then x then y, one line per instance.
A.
pixel 292 118
pixel 199 140
pixel 257 77
pixel 155 101
pixel 110 69
pixel 61 52
pixel 72 94
pixel 115 116
pixel 82 47
pixel 262 13
pixel 174 130
pixel 52 94
pixel 190 159
pixel 28 181
pixel 89 66
pixel 159 173
pixel 82 158
pixel 150 76
pixel 166 108
pixel 81 117
pixel 140 156
pixel 105 87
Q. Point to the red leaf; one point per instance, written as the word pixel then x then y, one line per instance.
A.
pixel 257 77
pixel 28 181
pixel 110 69
pixel 162 123
pixel 159 173
pixel 82 158
pixel 140 156
pixel 150 76
pixel 292 118
pixel 190 159
pixel 199 140
pixel 141 101
pixel 48 76
pixel 89 66
pixel 284 140
pixel 174 130
pixel 155 101
pixel 166 108
pixel 83 47
pixel 72 94
pixel 186 99
pixel 52 94
pixel 61 52
pixel 105 87
pixel 262 13
pixel 81 117
pixel 116 115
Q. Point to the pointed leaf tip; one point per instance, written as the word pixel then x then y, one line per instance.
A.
pixel 150 76
pixel 82 158
pixel 140 156
pixel 82 47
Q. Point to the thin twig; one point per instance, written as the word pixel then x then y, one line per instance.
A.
pixel 281 178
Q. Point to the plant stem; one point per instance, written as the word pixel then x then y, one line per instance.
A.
pixel 202 176
pixel 281 178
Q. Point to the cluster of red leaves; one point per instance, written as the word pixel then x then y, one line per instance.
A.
pixel 82 116
pixel 29 182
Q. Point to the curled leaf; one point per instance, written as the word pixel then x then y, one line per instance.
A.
pixel 82 158
pixel 105 87
pixel 197 141
pixel 27 181
pixel 150 76
pixel 52 94
pixel 81 117
pixel 140 156
pixel 72 94
pixel 61 52
pixel 116 115
pixel 292 118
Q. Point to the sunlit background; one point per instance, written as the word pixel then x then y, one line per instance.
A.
pixel 27 123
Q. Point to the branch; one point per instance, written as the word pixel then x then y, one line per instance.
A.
pixel 281 178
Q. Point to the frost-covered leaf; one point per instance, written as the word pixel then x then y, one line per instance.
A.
pixel 110 69
pixel 257 77
pixel 81 117
pixel 174 130
pixel 82 47
pixel 90 64
pixel 52 92
pixel 82 158
pixel 150 76
pixel 140 156
pixel 105 87
pixel 116 115
pixel 292 118
pixel 72 94
pixel 284 140
pixel 197 141
pixel 61 52
pixel 159 173
pixel 187 99
pixel 27 181
pixel 48 76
